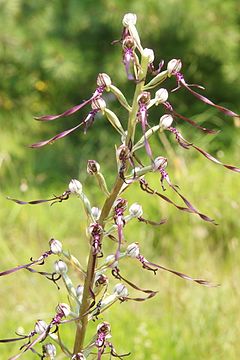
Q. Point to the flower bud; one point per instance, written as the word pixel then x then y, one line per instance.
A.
pixel 75 187
pixel 148 53
pixel 110 261
pixel 79 291
pixel 78 356
pixel 161 96
pixel 144 97
pixel 98 104
pixel 101 279
pixel 40 326
pixel 136 210
pixel 96 212
pixel 60 267
pixel 103 80
pixel 133 250
pixel 120 290
pixel 174 66
pixel 122 152
pixel 129 19
pixel 93 167
pixel 104 327
pixel 49 350
pixel 165 121
pixel 129 43
pixel 159 162
pixel 55 246
pixel 63 309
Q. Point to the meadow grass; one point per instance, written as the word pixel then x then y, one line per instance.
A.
pixel 185 320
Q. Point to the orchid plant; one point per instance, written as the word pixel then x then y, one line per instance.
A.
pixel 89 299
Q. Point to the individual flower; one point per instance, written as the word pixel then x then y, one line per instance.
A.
pixel 119 208
pixel 174 67
pixel 130 57
pixel 160 164
pixel 93 167
pixel 63 310
pixel 40 326
pixel 136 210
pixel 161 96
pixel 143 101
pixel 97 104
pixel 120 290
pixel 49 351
pixel 96 230
pixel 60 267
pixel 134 249
pixel 96 212
pixel 165 121
pixel 55 246
pixel 186 145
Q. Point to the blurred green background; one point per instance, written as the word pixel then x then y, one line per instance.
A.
pixel 50 55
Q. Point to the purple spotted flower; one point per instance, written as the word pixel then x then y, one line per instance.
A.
pixel 143 102
pixel 96 230
pixel 119 208
pixel 102 342
pixel 129 57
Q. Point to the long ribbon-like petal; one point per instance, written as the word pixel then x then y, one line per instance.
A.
pixel 68 112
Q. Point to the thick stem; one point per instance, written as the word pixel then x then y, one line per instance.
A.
pixel 88 285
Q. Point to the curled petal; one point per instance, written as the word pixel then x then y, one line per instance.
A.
pixel 209 102
pixel 40 338
pixel 56 137
pixel 185 144
pixel 33 202
pixel 65 113
pixel 13 339
pixel 190 209
pixel 55 199
pixel 177 273
pixel 193 123
pixel 39 261
pixel 152 294
pixel 116 273
pixel 146 221
pixel 213 159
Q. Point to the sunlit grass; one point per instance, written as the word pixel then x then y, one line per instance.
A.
pixel 184 320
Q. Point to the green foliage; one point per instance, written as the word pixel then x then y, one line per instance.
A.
pixel 50 54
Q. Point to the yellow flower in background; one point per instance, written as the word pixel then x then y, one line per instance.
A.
pixel 41 85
